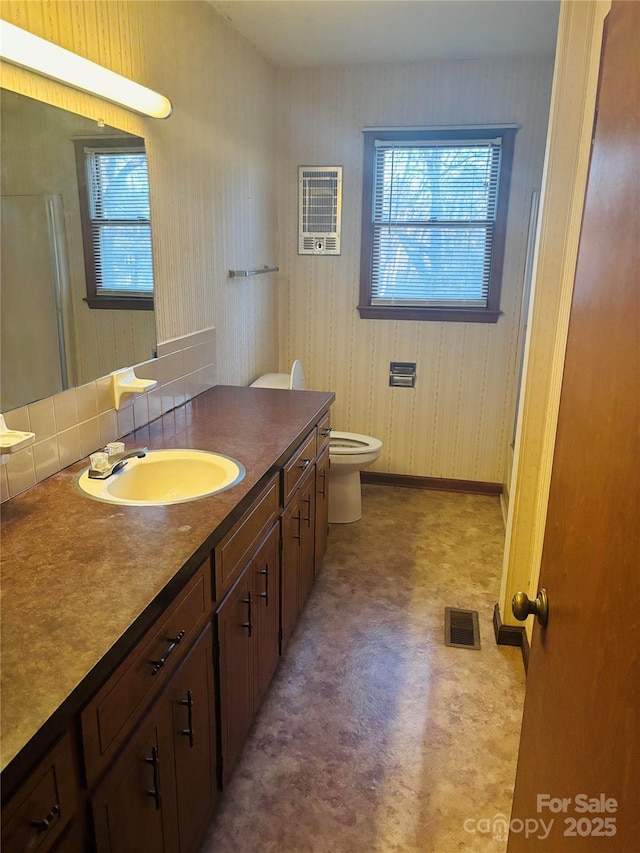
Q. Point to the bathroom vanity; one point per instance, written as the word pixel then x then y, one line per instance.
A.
pixel 139 642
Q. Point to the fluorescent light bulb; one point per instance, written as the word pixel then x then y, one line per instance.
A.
pixel 36 54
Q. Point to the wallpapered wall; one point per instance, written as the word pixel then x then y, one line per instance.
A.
pixel 458 421
pixel 238 132
pixel 211 172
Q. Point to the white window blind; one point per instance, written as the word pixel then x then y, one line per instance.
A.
pixel 118 190
pixel 434 214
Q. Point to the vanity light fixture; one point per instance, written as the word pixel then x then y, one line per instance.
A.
pixel 29 51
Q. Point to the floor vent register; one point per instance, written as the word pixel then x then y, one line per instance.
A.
pixel 461 628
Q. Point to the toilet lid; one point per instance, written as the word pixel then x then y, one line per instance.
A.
pixel 352 442
pixel 297 382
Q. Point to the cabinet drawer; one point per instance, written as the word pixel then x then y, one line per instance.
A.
pixel 324 433
pixel 38 813
pixel 232 554
pixel 118 705
pixel 297 465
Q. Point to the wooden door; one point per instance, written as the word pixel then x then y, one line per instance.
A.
pixel 322 509
pixel 234 626
pixel 290 569
pixel 579 752
pixel 134 808
pixel 307 543
pixel 190 695
pixel 266 594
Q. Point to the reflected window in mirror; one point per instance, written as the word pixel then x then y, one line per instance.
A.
pixel 113 186
pixel 50 339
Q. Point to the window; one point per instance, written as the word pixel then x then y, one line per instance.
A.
pixel 113 186
pixel 434 213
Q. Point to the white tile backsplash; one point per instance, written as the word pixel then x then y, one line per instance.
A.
pixel 66 411
pixel 20 469
pixel 89 436
pixel 104 396
pixel 46 458
pixel 108 423
pixel 69 446
pixel 75 423
pixel 154 399
pixel 141 410
pixel 42 418
pixel 125 419
pixel 86 402
pixel 18 419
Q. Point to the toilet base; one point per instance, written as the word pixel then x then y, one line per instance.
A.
pixel 345 496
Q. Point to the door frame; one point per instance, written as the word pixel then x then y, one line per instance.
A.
pixel 564 184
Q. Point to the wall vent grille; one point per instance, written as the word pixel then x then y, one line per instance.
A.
pixel 319 209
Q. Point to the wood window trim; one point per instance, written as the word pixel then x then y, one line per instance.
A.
pixel 488 314
pixel 93 299
pixel 128 303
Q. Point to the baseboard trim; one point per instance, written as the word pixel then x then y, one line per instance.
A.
pixel 440 484
pixel 511 635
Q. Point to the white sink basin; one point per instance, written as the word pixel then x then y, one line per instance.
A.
pixel 165 477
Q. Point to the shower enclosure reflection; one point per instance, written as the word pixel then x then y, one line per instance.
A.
pixel 50 339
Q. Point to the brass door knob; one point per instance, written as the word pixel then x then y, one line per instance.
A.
pixel 522 607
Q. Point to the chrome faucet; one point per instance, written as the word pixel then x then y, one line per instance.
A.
pixel 116 463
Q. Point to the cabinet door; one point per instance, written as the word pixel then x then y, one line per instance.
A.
pixel 234 626
pixel 190 696
pixel 39 811
pixel 322 509
pixel 291 538
pixel 266 595
pixel 134 809
pixel 307 500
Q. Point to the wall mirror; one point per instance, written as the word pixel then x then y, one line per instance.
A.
pixel 50 338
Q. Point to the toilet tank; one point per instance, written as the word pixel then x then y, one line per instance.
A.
pixel 293 380
pixel 272 380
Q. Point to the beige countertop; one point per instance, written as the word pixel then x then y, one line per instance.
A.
pixel 82 580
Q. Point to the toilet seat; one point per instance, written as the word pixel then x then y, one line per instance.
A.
pixel 352 443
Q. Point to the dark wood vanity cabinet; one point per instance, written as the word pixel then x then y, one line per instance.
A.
pixel 111 715
pixel 298 544
pixel 161 792
pixel 322 509
pixel 190 697
pixel 265 568
pixel 142 758
pixel 43 808
pixel 247 641
pixel 134 808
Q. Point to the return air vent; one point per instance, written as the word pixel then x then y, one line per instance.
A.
pixel 461 628
pixel 319 209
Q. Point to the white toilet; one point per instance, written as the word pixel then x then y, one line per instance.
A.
pixel 349 453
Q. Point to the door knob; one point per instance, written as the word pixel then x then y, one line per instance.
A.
pixel 522 606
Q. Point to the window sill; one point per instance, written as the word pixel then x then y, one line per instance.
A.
pixel 122 303
pixel 447 315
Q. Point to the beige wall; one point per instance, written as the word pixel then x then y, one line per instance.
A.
pixel 458 421
pixel 213 206
pixel 214 168
pixel 210 165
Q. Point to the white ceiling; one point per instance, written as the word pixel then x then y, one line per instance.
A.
pixel 293 33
